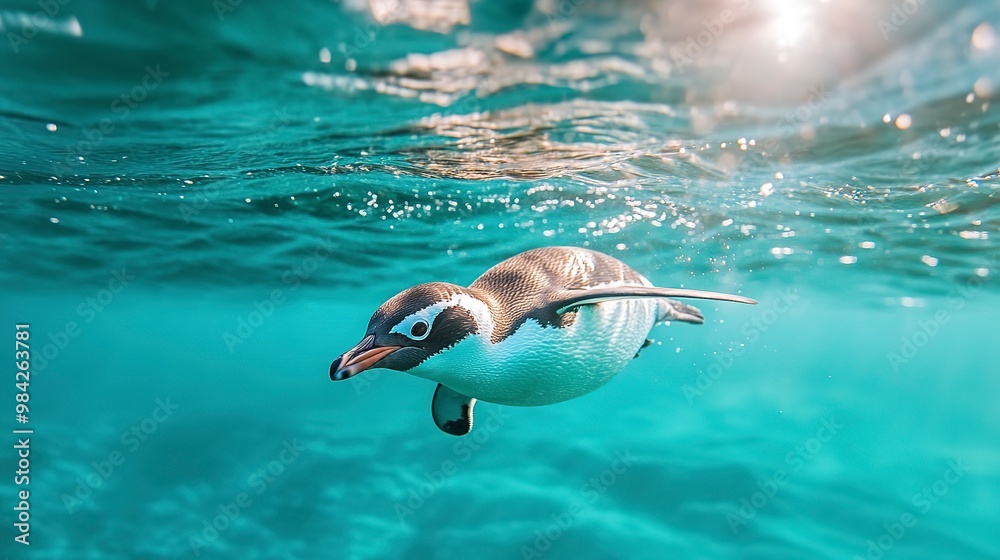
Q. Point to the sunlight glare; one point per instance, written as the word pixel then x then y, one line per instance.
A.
pixel 791 17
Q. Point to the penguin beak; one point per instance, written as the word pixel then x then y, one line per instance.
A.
pixel 359 358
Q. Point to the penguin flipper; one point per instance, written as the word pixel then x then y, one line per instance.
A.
pixel 566 300
pixel 452 411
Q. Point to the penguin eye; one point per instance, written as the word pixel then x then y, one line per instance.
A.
pixel 419 330
pixel 414 327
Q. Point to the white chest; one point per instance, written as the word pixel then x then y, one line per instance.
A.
pixel 543 365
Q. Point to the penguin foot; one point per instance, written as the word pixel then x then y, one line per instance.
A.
pixel 646 344
pixel 673 310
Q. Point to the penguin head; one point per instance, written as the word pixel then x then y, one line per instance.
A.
pixel 413 326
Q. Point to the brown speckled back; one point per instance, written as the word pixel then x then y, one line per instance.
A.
pixel 524 286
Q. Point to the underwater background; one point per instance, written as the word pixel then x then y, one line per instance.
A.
pixel 202 203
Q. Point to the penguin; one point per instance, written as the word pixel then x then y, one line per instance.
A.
pixel 542 327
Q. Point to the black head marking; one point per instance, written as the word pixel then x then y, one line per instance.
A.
pixel 411 300
pixel 418 342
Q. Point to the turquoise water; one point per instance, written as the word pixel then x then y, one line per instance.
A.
pixel 201 204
